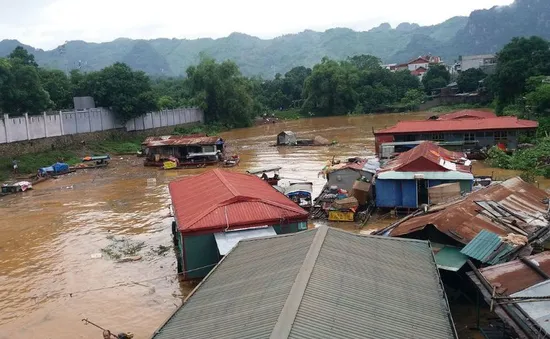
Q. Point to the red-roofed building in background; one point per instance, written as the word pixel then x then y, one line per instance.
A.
pixel 417 66
pixel 472 128
pixel 216 209
pixel 404 182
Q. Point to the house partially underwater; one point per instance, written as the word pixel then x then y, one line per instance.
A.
pixel 319 283
pixel 405 181
pixel 216 209
pixel 493 225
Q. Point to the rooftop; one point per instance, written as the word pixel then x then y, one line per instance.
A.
pixel 512 206
pixel 321 283
pixel 432 126
pixel 220 199
pixel 427 156
pixel 467 114
pixel 177 140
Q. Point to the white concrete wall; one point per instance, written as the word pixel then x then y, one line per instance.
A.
pixel 93 120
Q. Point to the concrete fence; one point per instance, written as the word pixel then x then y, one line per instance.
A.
pixel 61 123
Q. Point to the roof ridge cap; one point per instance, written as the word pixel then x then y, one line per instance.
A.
pixel 226 183
pixel 288 313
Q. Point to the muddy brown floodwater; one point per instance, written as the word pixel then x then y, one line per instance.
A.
pixel 49 280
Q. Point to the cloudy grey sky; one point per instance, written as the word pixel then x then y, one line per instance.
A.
pixel 48 23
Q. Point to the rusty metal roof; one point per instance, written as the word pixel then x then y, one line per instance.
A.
pixel 320 283
pixel 427 157
pixel 463 220
pixel 180 140
pixel 464 125
pixel 220 199
pixel 515 276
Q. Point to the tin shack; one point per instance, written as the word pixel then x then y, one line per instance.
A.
pixel 216 209
pixel 320 283
pixel 405 181
pixel 479 129
pixel 186 149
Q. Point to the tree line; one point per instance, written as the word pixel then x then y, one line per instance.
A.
pixel 358 84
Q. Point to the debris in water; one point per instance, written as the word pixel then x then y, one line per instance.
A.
pixel 128 259
pixel 96 255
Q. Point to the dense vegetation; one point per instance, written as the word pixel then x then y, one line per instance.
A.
pixel 484 31
pixel 356 85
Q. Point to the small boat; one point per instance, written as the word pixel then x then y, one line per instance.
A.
pixel 95 161
pixel 17 187
pixel 56 169
pixel 231 162
pixel 300 193
pixel 262 173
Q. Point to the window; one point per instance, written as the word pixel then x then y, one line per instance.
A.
pixel 438 137
pixel 469 137
pixel 410 137
pixel 500 136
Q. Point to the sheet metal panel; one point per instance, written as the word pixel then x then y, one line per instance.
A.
pixel 227 240
pixel 538 311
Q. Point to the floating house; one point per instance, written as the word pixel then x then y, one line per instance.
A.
pixel 517 292
pixel 320 283
pixel 216 209
pixel 344 175
pixel 286 138
pixel 474 129
pixel 404 182
pixel 185 149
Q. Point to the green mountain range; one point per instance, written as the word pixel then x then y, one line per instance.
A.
pixel 484 31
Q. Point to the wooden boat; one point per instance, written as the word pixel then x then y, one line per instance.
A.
pixel 262 173
pixel 231 162
pixel 96 161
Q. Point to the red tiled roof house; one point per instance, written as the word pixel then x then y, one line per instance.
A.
pixel 216 209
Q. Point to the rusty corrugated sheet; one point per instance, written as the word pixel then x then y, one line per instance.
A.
pixel 220 199
pixel 179 140
pixel 462 220
pixel 515 276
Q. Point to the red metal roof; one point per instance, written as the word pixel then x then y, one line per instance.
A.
pixel 467 114
pixel 217 200
pixel 515 276
pixel 419 60
pixel 489 124
pixel 177 140
pixel 419 71
pixel 427 157
pixel 462 221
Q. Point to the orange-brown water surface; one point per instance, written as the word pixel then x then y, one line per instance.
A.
pixel 49 276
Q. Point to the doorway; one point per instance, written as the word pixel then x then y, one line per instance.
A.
pixel 422 189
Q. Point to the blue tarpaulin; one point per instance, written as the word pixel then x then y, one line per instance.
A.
pixel 58 167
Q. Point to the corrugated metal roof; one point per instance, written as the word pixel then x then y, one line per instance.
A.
pixel 515 276
pixel 449 258
pixel 220 199
pixel 434 126
pixel 321 283
pixel 462 220
pixel 179 140
pixel 538 311
pixel 487 247
pixel 467 114
pixel 428 157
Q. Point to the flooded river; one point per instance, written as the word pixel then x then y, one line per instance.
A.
pixel 49 276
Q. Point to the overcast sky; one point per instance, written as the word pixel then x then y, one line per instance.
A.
pixel 48 23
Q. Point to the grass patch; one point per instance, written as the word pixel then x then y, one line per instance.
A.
pixel 31 162
pixel 122 247
pixel 209 129
pixel 290 114
pixel 116 146
pixel 452 108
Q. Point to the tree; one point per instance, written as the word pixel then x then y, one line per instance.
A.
pixel 128 93
pixel 412 99
pixel 166 102
pixel 222 92
pixel 365 62
pixel 21 55
pixel 331 88
pixel 539 100
pixel 468 81
pixel 58 86
pixel 437 76
pixel 519 60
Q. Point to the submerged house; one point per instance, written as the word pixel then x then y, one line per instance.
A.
pixel 286 138
pixel 187 149
pixel 473 129
pixel 497 223
pixel 505 286
pixel 320 283
pixel 344 175
pixel 404 182
pixel 216 209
